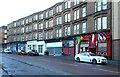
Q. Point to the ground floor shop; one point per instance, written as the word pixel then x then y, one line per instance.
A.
pixel 98 43
pixel 39 46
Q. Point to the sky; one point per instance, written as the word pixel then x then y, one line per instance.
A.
pixel 11 10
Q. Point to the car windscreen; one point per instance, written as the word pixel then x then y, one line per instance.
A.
pixel 94 54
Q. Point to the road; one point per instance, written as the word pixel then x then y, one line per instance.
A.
pixel 14 64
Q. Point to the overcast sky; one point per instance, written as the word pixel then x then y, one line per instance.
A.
pixel 11 10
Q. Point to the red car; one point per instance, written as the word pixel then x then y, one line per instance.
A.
pixel 22 52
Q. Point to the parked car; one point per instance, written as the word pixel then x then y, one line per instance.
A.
pixel 7 51
pixel 22 52
pixel 91 58
pixel 33 53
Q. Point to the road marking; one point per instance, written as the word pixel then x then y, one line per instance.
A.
pixel 106 70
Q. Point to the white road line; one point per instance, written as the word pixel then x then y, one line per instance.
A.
pixel 106 70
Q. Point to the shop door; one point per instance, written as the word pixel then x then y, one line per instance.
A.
pixel 93 50
pixel 40 48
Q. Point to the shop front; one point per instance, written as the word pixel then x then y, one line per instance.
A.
pixel 39 46
pixel 98 43
pixel 54 48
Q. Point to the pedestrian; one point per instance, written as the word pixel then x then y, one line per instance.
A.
pixel 103 54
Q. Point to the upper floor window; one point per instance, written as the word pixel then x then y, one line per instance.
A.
pixel 76 2
pixel 84 11
pixel 41 16
pixel 41 26
pixel 30 28
pixel 34 35
pixel 26 21
pixel 99 23
pixel 26 28
pixel 100 5
pixel 83 27
pixel 59 20
pixel 46 14
pixel 58 32
pixel 40 36
pixel 46 24
pixel 95 27
pixel 76 29
pixel 104 5
pixel 51 12
pixel 22 22
pixel 67 17
pixel 67 4
pixel 76 14
pixel 30 19
pixel 35 26
pixel 23 30
pixel 50 34
pixel 47 35
pixel 51 23
pixel 59 8
pixel 35 17
pixel 67 31
pixel 15 24
pixel 104 22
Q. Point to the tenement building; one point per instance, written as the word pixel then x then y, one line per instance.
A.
pixel 67 28
pixel 3 37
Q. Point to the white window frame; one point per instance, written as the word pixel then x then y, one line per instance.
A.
pixel 99 24
pixel 84 11
pixel 104 22
pixel 84 26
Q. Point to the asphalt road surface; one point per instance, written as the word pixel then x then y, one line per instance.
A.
pixel 13 64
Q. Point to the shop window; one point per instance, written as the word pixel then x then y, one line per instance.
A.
pixel 102 47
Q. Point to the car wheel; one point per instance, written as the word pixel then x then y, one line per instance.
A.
pixel 94 61
pixel 78 59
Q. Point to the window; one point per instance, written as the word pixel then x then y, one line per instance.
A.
pixel 104 22
pixel 50 12
pixel 40 36
pixel 34 35
pixel 26 21
pixel 26 37
pixel 76 14
pixel 84 11
pixel 47 35
pixel 30 19
pixel 58 32
pixel 51 23
pixel 76 29
pixel 95 6
pixel 23 30
pixel 95 27
pixel 27 29
pixel 67 4
pixel 22 22
pixel 35 17
pixel 41 16
pixel 99 23
pixel 50 34
pixel 102 47
pixel 46 24
pixel 76 2
pixel 67 31
pixel 59 20
pixel 41 26
pixel 104 6
pixel 101 5
pixel 30 28
pixel 46 14
pixel 83 27
pixel 67 17
pixel 59 8
pixel 35 26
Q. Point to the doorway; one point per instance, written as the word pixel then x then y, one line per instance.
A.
pixel 93 50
